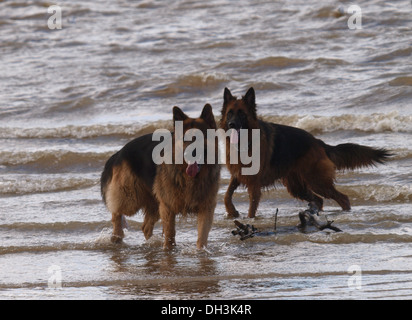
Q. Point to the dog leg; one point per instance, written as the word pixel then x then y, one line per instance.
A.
pixel 204 225
pixel 151 216
pixel 254 198
pixel 118 234
pixel 230 208
pixel 169 226
pixel 341 199
pixel 298 188
pixel 316 201
pixel 149 222
pixel 329 192
pixel 325 187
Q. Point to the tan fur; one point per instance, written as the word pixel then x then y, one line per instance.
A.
pixel 161 191
pixel 126 195
pixel 179 193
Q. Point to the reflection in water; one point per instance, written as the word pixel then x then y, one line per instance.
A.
pixel 157 272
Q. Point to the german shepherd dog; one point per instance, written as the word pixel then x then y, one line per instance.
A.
pixel 304 164
pixel 131 180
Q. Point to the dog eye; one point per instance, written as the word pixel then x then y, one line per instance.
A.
pixel 241 115
pixel 230 113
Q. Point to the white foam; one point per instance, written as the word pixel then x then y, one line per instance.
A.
pixel 104 237
pixel 376 122
pixel 31 183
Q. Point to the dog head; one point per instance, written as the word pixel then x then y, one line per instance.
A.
pixel 204 122
pixel 239 121
pixel 238 113
pixel 193 143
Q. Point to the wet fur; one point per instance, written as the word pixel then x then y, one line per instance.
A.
pixel 304 164
pixel 131 181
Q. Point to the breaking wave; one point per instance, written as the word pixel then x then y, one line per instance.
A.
pixel 81 132
pixel 377 122
pixel 380 193
pixel 27 184
pixel 199 82
pixel 53 159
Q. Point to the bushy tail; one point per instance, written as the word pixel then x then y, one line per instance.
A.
pixel 106 176
pixel 353 156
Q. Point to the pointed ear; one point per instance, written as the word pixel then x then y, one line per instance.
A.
pixel 227 96
pixel 250 98
pixel 250 101
pixel 178 114
pixel 207 115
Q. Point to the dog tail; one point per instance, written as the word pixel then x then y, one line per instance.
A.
pixel 353 156
pixel 107 175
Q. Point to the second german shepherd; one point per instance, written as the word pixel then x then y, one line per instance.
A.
pixel 131 180
pixel 304 164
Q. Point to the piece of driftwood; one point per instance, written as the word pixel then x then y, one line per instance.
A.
pixel 310 217
pixel 246 231
pixel 307 217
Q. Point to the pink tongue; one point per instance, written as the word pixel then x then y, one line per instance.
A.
pixel 192 169
pixel 234 137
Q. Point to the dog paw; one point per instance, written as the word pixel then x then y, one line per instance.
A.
pixel 116 239
pixel 234 214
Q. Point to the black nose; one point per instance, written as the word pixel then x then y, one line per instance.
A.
pixel 231 125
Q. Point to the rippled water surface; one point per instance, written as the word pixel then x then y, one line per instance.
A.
pixel 70 98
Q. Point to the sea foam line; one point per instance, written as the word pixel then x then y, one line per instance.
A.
pixel 376 122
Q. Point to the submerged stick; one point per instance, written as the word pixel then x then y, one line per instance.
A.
pixel 309 217
pixel 246 231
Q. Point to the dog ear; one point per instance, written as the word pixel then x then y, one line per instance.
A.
pixel 207 115
pixel 250 100
pixel 178 114
pixel 227 96
pixel 249 97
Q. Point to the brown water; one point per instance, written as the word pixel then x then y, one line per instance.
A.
pixel 70 98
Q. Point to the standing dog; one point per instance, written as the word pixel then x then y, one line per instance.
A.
pixel 131 180
pixel 304 164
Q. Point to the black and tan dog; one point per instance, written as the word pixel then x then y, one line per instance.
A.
pixel 304 164
pixel 131 181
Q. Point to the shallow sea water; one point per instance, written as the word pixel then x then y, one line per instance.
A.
pixel 70 98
